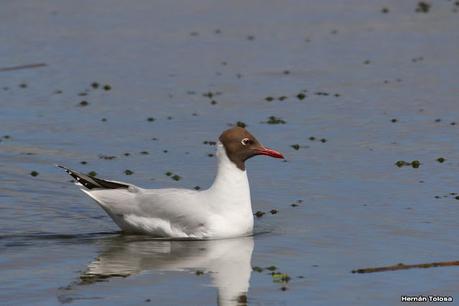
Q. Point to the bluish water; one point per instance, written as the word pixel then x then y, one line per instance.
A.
pixel 358 67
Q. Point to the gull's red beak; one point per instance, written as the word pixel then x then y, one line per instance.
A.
pixel 269 152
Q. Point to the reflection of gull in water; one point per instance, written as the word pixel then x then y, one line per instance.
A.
pixel 227 261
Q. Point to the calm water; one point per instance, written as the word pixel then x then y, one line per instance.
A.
pixel 358 68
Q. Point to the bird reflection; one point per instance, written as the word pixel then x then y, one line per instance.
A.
pixel 227 262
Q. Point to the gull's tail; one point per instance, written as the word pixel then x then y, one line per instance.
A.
pixel 91 182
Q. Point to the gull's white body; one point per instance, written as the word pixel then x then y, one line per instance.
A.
pixel 222 211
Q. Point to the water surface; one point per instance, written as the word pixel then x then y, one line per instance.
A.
pixel 358 68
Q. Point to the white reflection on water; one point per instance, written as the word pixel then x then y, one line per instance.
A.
pixel 227 262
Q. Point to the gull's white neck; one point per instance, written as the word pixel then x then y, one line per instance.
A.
pixel 231 185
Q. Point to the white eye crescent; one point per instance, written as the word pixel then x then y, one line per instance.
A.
pixel 245 141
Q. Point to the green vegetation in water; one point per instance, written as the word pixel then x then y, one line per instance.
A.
pixel 95 85
pixel 273 211
pixel 441 159
pixel 271 268
pixel 301 96
pixel 274 120
pixel 279 277
pixel 257 269
pixel 92 173
pixel 269 99
pixel 107 87
pixel 83 162
pixel 34 173
pixel 415 164
pixel 196 187
pixel 128 172
pixel 84 103
pixel 296 146
pixel 150 119
pixel 259 214
pixel 106 157
pixel 423 7
pixel 144 153
pixel 173 176
pixel 282 98
pixel 241 124
pixel 199 272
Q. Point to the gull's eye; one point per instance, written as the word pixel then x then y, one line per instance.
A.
pixel 246 141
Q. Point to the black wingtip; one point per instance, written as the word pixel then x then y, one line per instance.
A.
pixel 92 182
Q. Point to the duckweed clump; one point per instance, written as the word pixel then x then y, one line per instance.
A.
pixel 92 173
pixel 415 164
pixel 259 214
pixel 271 268
pixel 241 124
pixel 402 163
pixel 209 142
pixel 279 277
pixel 282 98
pixel 301 96
pixel 423 7
pixel 275 120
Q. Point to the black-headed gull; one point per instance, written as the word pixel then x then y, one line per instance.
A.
pixel 222 211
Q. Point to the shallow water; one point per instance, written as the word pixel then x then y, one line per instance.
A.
pixel 358 209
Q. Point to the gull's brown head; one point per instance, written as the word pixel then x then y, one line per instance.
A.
pixel 240 145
